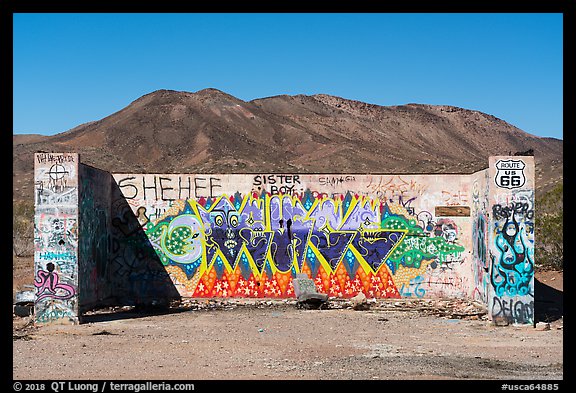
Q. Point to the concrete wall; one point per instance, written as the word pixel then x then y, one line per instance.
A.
pixel 131 239
pixel 56 237
pixel 135 272
pixel 511 239
pixel 234 235
pixel 94 285
pixel 480 265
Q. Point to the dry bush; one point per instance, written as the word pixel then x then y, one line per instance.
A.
pixel 23 228
pixel 549 227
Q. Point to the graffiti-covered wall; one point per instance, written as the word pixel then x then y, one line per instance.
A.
pixel 480 263
pixel 248 235
pixel 135 271
pixel 56 237
pixel 94 285
pixel 511 239
pixel 141 239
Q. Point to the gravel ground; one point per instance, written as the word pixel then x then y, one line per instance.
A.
pixel 276 340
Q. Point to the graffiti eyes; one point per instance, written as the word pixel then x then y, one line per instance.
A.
pixel 232 220
pixel 510 230
pixel 219 220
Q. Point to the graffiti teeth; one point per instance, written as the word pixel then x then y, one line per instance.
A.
pixel 230 243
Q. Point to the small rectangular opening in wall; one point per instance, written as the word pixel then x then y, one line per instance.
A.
pixel 452 211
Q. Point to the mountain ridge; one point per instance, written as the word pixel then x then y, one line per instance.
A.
pixel 210 131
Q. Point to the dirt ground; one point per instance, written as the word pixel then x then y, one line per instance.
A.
pixel 250 339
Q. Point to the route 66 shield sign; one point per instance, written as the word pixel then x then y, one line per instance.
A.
pixel 510 173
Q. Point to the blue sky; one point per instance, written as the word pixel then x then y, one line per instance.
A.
pixel 74 68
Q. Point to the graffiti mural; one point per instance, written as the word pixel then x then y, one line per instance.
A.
pixel 253 245
pixel 134 272
pixel 511 239
pixel 56 237
pixel 513 264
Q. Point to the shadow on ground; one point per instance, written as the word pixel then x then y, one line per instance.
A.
pixel 548 302
pixel 138 312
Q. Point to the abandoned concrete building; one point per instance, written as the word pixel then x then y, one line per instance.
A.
pixel 105 239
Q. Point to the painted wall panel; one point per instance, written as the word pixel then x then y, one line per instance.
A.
pixel 94 285
pixel 56 237
pixel 511 239
pixel 248 235
pixel 480 265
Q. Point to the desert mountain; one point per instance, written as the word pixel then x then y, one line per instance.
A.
pixel 210 131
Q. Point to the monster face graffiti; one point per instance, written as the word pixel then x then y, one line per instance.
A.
pixel 514 268
pixel 241 242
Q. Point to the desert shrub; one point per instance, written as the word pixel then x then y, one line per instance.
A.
pixel 23 228
pixel 549 229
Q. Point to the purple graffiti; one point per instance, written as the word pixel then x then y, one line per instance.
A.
pixel 48 285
